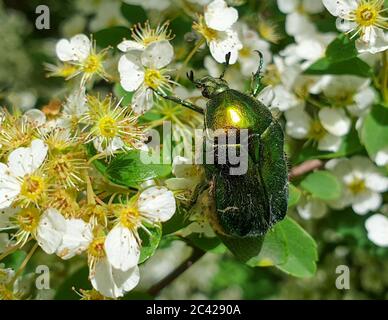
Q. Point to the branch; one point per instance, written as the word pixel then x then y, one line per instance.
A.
pixel 194 257
pixel 304 168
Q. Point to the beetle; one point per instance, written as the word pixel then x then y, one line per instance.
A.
pixel 246 205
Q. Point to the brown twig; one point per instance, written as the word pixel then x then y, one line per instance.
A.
pixel 305 167
pixel 194 257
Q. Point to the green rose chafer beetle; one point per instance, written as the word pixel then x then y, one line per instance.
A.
pixel 246 205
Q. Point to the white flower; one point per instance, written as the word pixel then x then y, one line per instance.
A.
pixel 297 20
pixel 50 230
pixel 187 175
pixel 364 18
pixel 362 184
pixel 327 130
pixel 377 227
pixel 76 49
pixel 145 73
pixel 20 179
pixel 111 282
pixel 353 93
pixel 217 28
pixel 381 158
pixel 311 208
pixel 122 245
pixel 248 57
pixel 108 15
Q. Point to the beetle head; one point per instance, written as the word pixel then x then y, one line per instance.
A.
pixel 209 86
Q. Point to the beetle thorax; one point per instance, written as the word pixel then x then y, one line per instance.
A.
pixel 211 87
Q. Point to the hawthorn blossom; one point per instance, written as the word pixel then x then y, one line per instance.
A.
pixel 377 228
pixel 362 18
pixel 362 184
pixel 217 27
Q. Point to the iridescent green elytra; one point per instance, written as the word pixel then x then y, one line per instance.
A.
pixel 247 205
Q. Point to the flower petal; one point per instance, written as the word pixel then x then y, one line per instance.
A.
pixel 131 72
pixel 226 42
pixel 335 121
pixel 9 187
pixel 121 248
pixel 130 45
pixel 219 16
pixel 298 123
pixel 157 55
pixel 142 100
pixel 157 203
pixel 377 227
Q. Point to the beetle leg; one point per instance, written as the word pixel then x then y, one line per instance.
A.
pixel 180 101
pixel 256 84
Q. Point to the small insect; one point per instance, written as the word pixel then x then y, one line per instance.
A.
pixel 246 205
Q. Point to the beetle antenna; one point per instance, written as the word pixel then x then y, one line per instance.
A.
pixel 256 85
pixel 226 64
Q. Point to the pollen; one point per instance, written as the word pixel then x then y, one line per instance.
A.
pixel 130 217
pixel 108 127
pixel 96 248
pixel 366 14
pixel 92 64
pixel 28 219
pixel 208 33
pixel 146 35
pixel 32 188
pixel 357 186
pixel 317 131
pixel 153 78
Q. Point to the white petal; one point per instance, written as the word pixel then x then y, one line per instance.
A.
pixel 35 117
pixel 313 6
pixel 375 181
pixel 126 280
pixel 312 208
pixel 9 187
pixel 299 24
pixel 131 72
pixel 121 248
pixel 130 45
pixel 367 201
pixel 81 46
pixel 377 227
pixel 374 42
pixel 157 55
pixel 142 100
pixel 76 239
pixel 157 203
pixel 288 6
pixel 64 50
pixel 298 123
pixel 381 157
pixel 340 7
pixel 335 121
pixel 330 142
pixel 226 42
pixel 6 217
pixel 51 227
pixel 219 16
pixel 24 161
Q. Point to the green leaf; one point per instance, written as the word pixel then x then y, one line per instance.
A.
pixel 149 242
pixel 127 169
pixel 134 14
pixel 374 132
pixel 14 260
pixel 302 250
pixel 178 221
pixel 274 250
pixel 342 48
pixel 243 249
pixel 294 195
pixel 100 165
pixel 207 244
pixel 111 36
pixel 354 66
pixel 122 94
pixel 322 185
pixel 78 280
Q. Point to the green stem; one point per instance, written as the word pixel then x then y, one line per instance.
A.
pixel 384 86
pixel 24 263
pixel 188 58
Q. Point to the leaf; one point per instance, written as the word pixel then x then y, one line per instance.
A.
pixel 78 280
pixel 342 48
pixel 127 169
pixel 14 260
pixel 322 185
pixel 243 249
pixel 207 244
pixel 294 195
pixel 111 36
pixel 149 242
pixel 100 165
pixel 354 66
pixel 122 94
pixel 274 250
pixel 374 132
pixel 133 14
pixel 302 250
pixel 178 221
